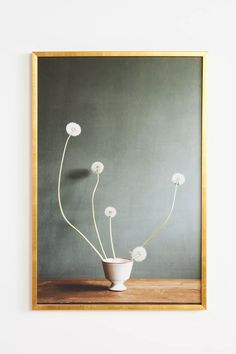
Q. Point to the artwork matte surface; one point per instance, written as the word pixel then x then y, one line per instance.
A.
pixel 141 114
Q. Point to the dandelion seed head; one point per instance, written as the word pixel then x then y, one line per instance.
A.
pixel 97 167
pixel 139 254
pixel 110 212
pixel 73 129
pixel 178 179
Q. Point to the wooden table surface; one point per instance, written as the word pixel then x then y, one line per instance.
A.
pixel 95 291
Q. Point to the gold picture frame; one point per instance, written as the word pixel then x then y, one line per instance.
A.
pixel 114 306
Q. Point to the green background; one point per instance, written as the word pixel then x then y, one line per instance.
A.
pixel 141 117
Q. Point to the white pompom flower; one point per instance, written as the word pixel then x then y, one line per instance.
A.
pixel 110 212
pixel 73 129
pixel 139 254
pixel 178 179
pixel 97 167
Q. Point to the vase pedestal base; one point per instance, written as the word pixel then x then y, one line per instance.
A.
pixel 117 286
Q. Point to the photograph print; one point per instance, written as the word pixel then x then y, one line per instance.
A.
pixel 119 180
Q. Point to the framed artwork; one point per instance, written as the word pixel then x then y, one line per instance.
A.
pixel 119 180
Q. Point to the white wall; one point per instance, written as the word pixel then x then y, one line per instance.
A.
pixel 116 25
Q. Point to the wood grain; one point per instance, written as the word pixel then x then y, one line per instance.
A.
pixel 141 291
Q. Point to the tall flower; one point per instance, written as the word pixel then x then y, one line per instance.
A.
pixel 110 212
pixel 73 129
pixel 178 179
pixel 97 168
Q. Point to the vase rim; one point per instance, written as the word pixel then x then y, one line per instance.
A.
pixel 117 260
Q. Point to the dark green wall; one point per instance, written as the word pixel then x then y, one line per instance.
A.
pixel 141 117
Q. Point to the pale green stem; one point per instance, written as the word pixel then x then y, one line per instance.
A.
pixel 159 228
pixel 94 218
pixel 111 239
pixel 60 205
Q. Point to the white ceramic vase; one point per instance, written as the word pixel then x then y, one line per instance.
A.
pixel 117 270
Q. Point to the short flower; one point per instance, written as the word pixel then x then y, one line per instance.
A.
pixel 73 129
pixel 178 179
pixel 97 167
pixel 110 212
pixel 139 254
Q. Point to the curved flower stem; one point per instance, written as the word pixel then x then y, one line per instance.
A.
pixel 159 228
pixel 111 239
pixel 94 218
pixel 60 205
